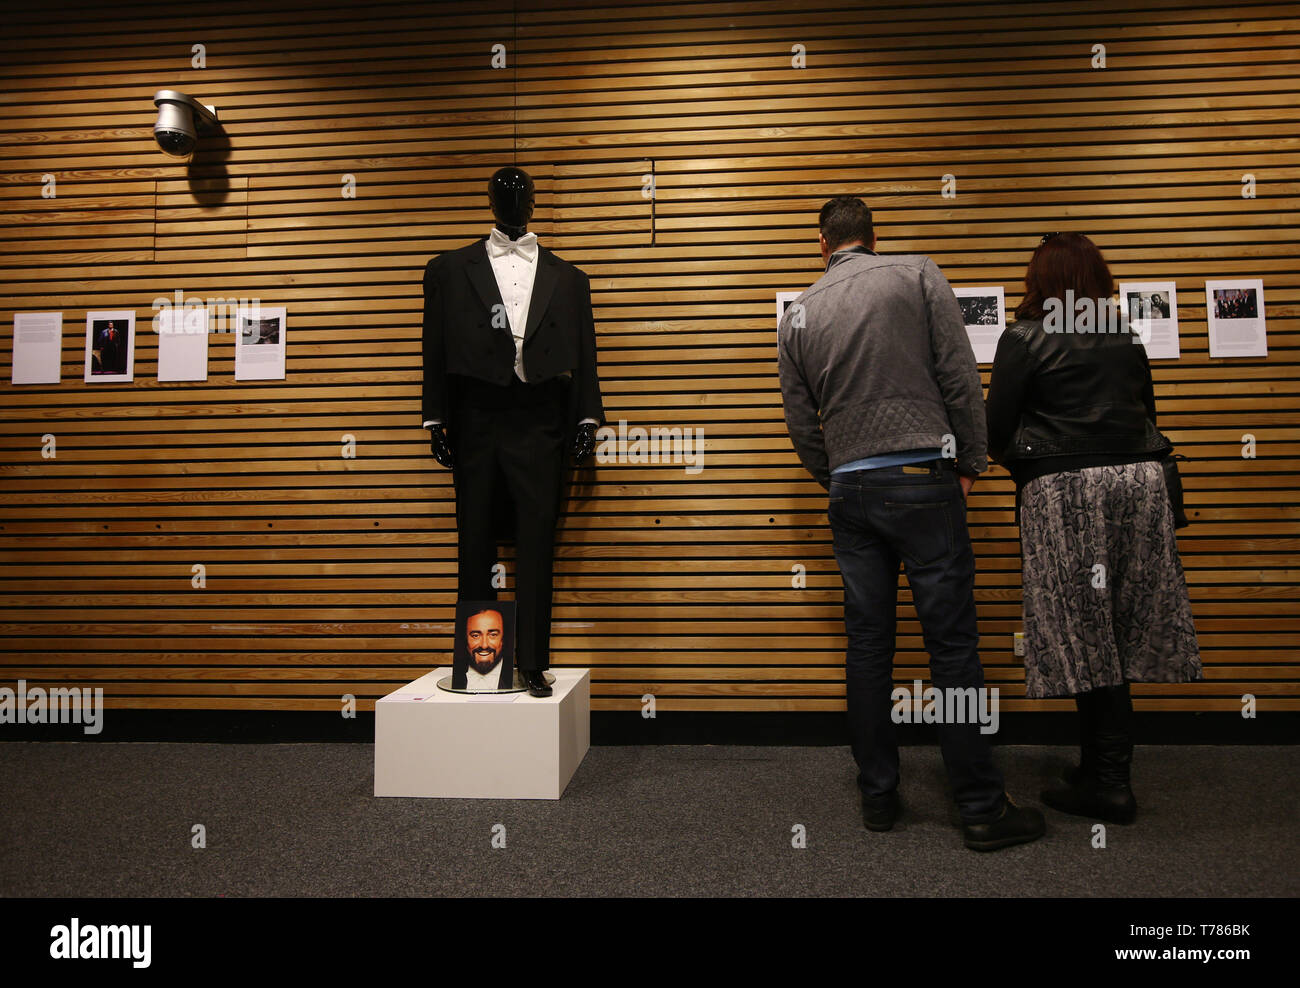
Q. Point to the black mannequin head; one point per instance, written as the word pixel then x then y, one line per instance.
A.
pixel 510 192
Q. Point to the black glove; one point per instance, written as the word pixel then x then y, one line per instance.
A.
pixel 585 441
pixel 438 444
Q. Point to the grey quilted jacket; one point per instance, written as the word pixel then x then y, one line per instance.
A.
pixel 874 359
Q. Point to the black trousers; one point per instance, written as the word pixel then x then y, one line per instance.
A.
pixel 509 444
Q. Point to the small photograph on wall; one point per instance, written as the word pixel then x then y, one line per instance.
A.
pixel 483 653
pixel 983 311
pixel 260 344
pixel 1152 311
pixel 1148 305
pixel 110 347
pixel 1235 313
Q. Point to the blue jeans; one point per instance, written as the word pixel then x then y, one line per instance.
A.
pixel 915 515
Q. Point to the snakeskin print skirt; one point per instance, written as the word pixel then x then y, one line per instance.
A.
pixel 1104 593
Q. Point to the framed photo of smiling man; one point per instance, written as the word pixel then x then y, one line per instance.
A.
pixel 483 654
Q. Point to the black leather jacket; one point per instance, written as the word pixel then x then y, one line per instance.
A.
pixel 1063 401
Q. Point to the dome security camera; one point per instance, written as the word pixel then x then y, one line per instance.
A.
pixel 180 120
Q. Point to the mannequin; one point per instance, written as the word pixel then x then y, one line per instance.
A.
pixel 510 386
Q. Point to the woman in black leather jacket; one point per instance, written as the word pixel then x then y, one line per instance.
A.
pixel 1071 414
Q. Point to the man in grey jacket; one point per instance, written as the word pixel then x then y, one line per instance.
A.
pixel 884 406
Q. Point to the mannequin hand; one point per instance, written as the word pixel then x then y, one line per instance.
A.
pixel 438 444
pixel 585 441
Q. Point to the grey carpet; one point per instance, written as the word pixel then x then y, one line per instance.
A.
pixel 107 819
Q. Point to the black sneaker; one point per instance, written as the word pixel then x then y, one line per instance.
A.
pixel 1016 825
pixel 880 812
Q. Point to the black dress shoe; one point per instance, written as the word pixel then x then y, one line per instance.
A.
pixel 536 682
pixel 1016 825
pixel 880 812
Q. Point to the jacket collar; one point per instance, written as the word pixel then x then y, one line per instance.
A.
pixel 844 252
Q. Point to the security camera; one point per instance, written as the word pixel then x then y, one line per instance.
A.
pixel 180 121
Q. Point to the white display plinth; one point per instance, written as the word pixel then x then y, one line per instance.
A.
pixel 429 742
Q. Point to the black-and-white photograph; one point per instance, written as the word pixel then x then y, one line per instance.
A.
pixel 980 310
pixel 256 332
pixel 1148 305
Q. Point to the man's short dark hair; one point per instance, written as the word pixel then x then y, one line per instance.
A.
pixel 844 220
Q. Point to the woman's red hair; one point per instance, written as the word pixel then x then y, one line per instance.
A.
pixel 1064 261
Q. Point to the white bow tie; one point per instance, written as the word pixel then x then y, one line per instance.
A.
pixel 498 245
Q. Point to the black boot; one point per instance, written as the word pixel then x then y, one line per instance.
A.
pixel 1106 793
pixel 1086 704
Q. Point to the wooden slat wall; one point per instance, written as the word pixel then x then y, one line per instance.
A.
pixel 328 575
